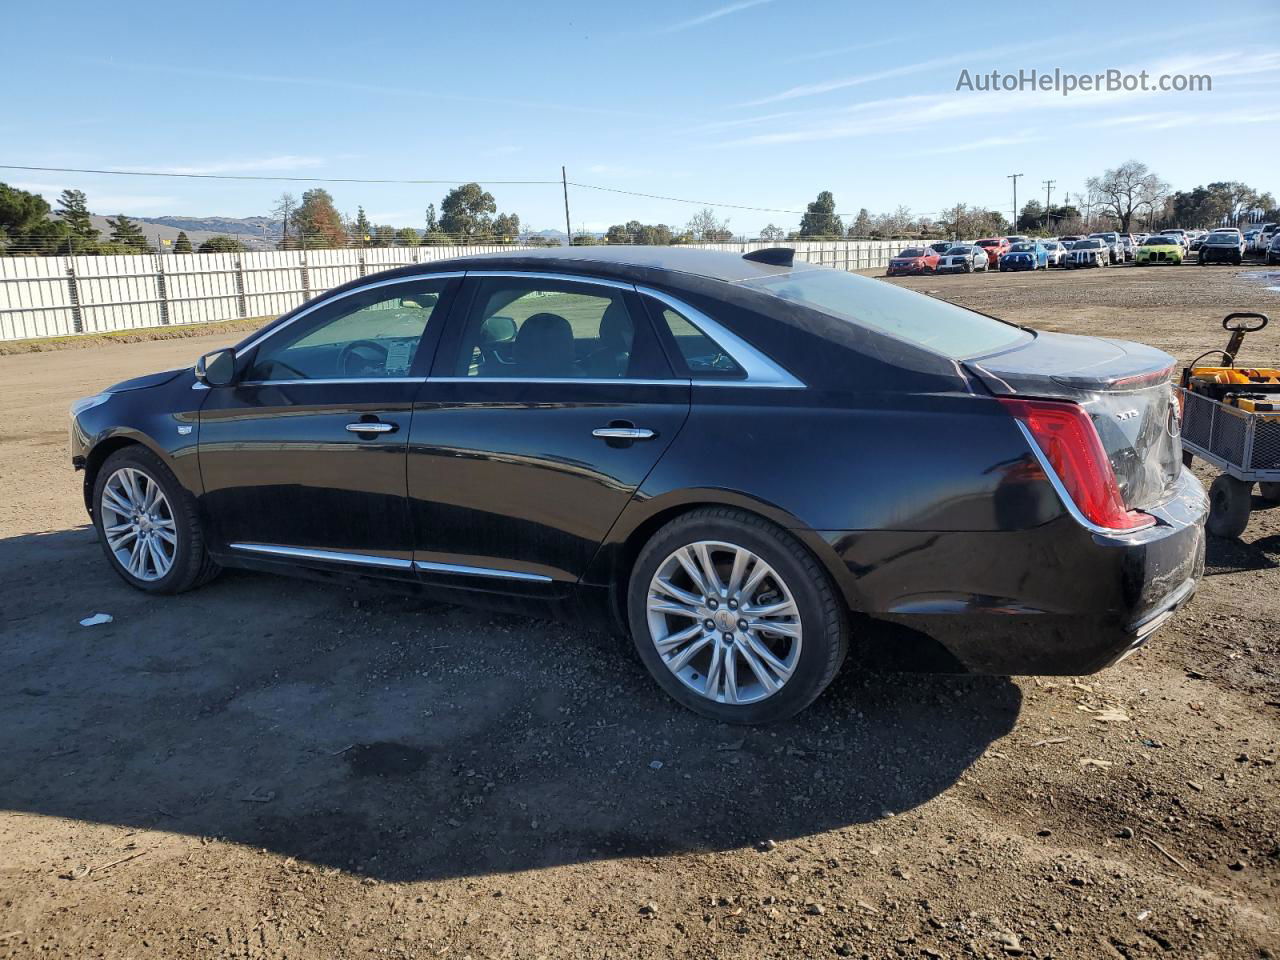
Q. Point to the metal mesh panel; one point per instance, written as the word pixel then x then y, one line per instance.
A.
pixel 1228 436
pixel 1266 444
pixel 1197 418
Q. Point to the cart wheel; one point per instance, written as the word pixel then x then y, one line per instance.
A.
pixel 1228 507
pixel 1269 491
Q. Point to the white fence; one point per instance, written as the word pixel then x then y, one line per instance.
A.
pixel 64 296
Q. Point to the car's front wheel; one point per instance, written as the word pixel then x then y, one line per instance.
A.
pixel 735 618
pixel 148 525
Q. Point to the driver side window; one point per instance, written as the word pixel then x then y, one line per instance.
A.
pixel 367 334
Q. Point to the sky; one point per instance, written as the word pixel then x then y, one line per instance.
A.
pixel 725 103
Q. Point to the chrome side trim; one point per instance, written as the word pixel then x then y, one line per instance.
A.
pixel 562 277
pixel 611 380
pixel 761 371
pixel 333 556
pixel 294 383
pixel 432 567
pixel 1061 490
pixel 326 301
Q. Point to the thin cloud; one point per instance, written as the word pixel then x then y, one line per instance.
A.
pixel 984 144
pixel 284 162
pixel 907 69
pixel 715 14
pixel 357 87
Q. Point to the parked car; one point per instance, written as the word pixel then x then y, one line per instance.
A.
pixel 1089 252
pixel 563 432
pixel 1160 248
pixel 1057 253
pixel 1128 245
pixel 1251 240
pixel 1180 236
pixel 941 246
pixel 1017 238
pixel 963 258
pixel 1222 246
pixel 912 260
pixel 1273 250
pixel 1112 240
pixel 1197 243
pixel 1025 256
pixel 994 246
pixel 1069 240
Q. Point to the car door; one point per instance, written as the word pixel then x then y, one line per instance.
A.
pixel 303 457
pixel 549 402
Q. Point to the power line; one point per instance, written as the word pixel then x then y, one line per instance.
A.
pixel 234 176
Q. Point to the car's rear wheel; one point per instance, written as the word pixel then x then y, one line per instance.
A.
pixel 148 525
pixel 735 618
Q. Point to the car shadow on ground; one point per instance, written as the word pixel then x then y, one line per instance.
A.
pixel 410 740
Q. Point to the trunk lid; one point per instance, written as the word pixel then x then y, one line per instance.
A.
pixel 1126 389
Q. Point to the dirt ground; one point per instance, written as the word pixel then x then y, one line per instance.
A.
pixel 274 768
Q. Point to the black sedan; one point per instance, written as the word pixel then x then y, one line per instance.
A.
pixel 742 462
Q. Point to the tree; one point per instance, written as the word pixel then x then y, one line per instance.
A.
pixel 772 233
pixel 128 234
pixel 25 227
pixel 284 210
pixel 433 224
pixel 861 224
pixel 316 222
pixel 361 228
pixel 407 237
pixel 182 244
pixel 73 210
pixel 1129 189
pixel 584 239
pixel 465 212
pixel 222 244
pixel 639 234
pixel 706 227
pixel 384 236
pixel 820 218
pixel 506 226
pixel 964 222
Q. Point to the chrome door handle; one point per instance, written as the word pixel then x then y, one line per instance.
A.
pixel 373 427
pixel 623 433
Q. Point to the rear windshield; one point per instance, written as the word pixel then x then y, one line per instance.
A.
pixel 957 251
pixel 934 324
pixel 1022 248
pixel 1087 245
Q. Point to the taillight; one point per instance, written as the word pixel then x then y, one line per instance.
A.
pixel 1069 441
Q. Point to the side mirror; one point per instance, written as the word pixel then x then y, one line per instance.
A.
pixel 217 369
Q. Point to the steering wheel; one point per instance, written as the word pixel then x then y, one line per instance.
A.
pixel 362 356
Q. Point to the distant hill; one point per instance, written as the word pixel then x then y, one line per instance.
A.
pixel 248 230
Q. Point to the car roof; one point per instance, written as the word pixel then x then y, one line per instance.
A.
pixel 622 262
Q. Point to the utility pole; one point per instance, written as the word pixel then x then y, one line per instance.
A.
pixel 1014 177
pixel 568 230
pixel 1048 187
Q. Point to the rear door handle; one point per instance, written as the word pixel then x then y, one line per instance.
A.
pixel 373 427
pixel 623 433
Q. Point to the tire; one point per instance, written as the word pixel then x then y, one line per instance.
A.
pixel 190 565
pixel 1228 507
pixel 1269 491
pixel 812 659
pixel 968 268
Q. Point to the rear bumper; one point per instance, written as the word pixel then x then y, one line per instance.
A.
pixel 1054 599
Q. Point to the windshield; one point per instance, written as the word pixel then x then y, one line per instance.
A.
pixel 1159 242
pixel 1223 238
pixel 1087 245
pixel 934 324
pixel 912 252
pixel 958 251
pixel 1023 248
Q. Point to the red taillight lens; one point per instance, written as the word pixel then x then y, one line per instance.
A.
pixel 1070 443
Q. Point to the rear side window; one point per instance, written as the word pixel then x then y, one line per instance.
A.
pixel 702 356
pixel 544 329
pixel 934 324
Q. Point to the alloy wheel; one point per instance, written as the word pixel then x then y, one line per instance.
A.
pixel 138 524
pixel 724 622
